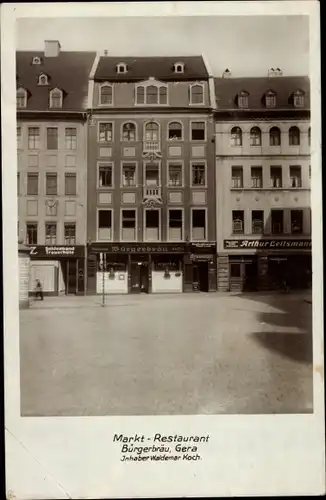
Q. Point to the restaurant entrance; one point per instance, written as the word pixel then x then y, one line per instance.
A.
pixel 139 274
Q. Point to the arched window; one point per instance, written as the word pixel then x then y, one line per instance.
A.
pixel 21 98
pixel 122 68
pixel 275 136
pixel 294 136
pixel 140 95
pixel 255 136
pixel 56 98
pixel 175 131
pixel 236 136
pixel 178 67
pixel 309 136
pixel 196 94
pixel 151 131
pixel 129 132
pixel 106 95
pixel 43 79
pixel 152 95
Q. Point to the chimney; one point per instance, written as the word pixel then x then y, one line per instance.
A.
pixel 227 73
pixel 275 72
pixel 51 48
pixel 106 52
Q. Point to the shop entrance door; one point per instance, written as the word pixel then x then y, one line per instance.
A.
pixel 243 275
pixel 235 276
pixel 71 276
pixel 201 276
pixel 139 276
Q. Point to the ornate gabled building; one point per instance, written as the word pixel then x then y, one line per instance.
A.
pixel 151 190
pixel 52 89
pixel 263 181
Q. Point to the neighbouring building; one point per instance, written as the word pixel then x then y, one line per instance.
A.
pixel 262 137
pixel 52 89
pixel 151 176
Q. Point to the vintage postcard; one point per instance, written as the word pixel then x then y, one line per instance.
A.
pixel 162 249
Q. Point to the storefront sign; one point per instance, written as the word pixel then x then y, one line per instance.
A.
pixel 56 251
pixel 138 248
pixel 201 257
pixel 267 244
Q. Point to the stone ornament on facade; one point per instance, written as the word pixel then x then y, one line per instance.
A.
pixel 152 203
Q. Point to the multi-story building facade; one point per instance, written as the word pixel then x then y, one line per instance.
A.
pixel 52 91
pixel 151 179
pixel 263 181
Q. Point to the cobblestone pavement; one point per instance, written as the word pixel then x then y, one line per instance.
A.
pixel 167 354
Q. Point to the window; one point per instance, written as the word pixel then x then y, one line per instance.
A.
pixel 175 131
pixel 51 184
pixel 129 174
pixel 256 177
pixel 179 68
pixel 31 233
pixel 296 221
pixel 295 176
pixel 70 233
pixel 277 221
pixel 196 94
pixel 43 79
pixel 32 184
pixel 243 100
pixel 257 221
pixel 128 223
pixel 298 99
pixel 152 225
pixel 275 136
pixel 50 233
pixel 56 98
pixel 19 136
pixel 21 98
pixel 152 174
pixel 255 136
pixel 175 174
pixel 151 94
pixel 237 221
pixel 198 131
pixel 236 136
pixel 33 137
pixel 309 171
pixel 309 136
pixel 18 184
pixel 237 177
pixel 122 68
pixel 198 177
pixel 235 270
pixel 106 95
pixel 140 95
pixel 105 225
pixel 52 138
pixel 294 136
pixel 36 60
pixel 105 174
pixel 270 100
pixel 129 132
pixel 70 184
pixel 175 225
pixel 198 224
pixel 163 95
pixel 276 177
pixel 151 131
pixel 106 132
pixel 71 138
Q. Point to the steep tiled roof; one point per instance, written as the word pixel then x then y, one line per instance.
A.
pixel 69 71
pixel 141 68
pixel 227 89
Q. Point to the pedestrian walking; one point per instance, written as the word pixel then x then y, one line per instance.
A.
pixel 39 290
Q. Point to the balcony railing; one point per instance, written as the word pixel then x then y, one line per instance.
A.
pixel 152 148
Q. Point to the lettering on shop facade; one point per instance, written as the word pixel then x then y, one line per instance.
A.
pixel 154 248
pixel 50 251
pixel 267 244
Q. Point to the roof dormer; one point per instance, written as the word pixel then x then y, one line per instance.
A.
pixel 243 99
pixel 270 98
pixel 36 60
pixel 56 98
pixel 21 97
pixel 122 68
pixel 43 79
pixel 298 98
pixel 179 67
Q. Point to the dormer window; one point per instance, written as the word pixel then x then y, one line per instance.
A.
pixel 56 99
pixel 21 98
pixel 106 95
pixel 270 99
pixel 122 68
pixel 36 60
pixel 243 99
pixel 298 99
pixel 43 79
pixel 197 93
pixel 179 67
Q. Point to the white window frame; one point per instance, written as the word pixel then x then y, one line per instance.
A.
pixel 241 136
pixel 149 162
pixel 269 136
pixel 121 131
pixel 22 91
pixel 51 96
pixel 243 222
pixel 205 130
pixel 98 132
pixel 260 135
pixel 122 66
pixel 152 83
pixel 299 168
pixel 298 95
pixel 38 141
pixel 196 84
pixel 206 223
pixel 51 172
pixel 242 176
pixel 98 209
pixel 270 95
pixel 135 209
pixel 175 68
pixel 66 175
pixel 36 60
pixel 159 134
pixel 168 129
pixel 43 76
pixel 69 128
pixel 126 162
pixel 293 127
pixel 241 95
pixel 194 162
pixel 168 221
pixel 56 224
pixel 103 163
pixel 68 223
pixel 171 162
pixel 105 105
pixel 159 210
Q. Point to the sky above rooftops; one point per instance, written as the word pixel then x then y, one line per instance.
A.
pixel 248 45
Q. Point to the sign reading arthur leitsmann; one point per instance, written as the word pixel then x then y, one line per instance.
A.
pixel 267 244
pixel 160 447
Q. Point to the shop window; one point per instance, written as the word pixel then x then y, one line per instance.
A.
pixel 175 174
pixel 296 221
pixel 31 233
pixel 128 223
pixel 255 136
pixel 175 225
pixel 52 138
pixel 152 225
pixel 198 131
pixel 51 187
pixel 105 174
pixel 256 177
pixel 237 177
pixel 104 225
pixel 295 176
pixel 129 132
pixel 70 233
pixel 198 176
pixel 106 95
pixel 236 136
pixel 32 184
pixel 198 224
pixel 257 221
pixel 70 184
pixel 50 233
pixel 152 174
pixel 274 136
pixel 129 174
pixel 235 270
pixel 277 218
pixel 106 132
pixel 71 138
pixel 33 137
pixel 19 135
pixel 197 94
pixel 237 221
pixel 276 177
pixel 294 136
pixel 175 131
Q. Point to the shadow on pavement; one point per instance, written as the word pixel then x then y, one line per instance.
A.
pixel 297 346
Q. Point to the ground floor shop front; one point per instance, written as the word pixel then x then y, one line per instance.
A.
pixel 151 268
pixel 252 265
